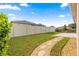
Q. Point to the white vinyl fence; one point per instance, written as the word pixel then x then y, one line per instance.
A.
pixel 26 29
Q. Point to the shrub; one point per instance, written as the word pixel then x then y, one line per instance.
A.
pixel 4 34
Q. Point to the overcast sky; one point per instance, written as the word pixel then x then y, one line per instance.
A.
pixel 50 14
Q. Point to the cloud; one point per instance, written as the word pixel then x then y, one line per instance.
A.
pixel 9 7
pixel 13 17
pixel 62 16
pixel 64 5
pixel 68 14
pixel 44 19
pixel 24 4
pixel 33 12
pixel 64 21
pixel 11 14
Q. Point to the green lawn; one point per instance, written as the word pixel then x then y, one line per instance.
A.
pixel 24 45
pixel 56 50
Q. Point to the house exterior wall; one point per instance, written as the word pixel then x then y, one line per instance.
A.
pixel 77 29
pixel 26 29
pixel 75 14
pixel 73 7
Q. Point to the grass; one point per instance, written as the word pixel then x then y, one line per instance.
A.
pixel 24 45
pixel 56 50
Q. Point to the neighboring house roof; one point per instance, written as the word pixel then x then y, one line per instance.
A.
pixel 27 22
pixel 52 26
pixel 40 25
pixel 22 22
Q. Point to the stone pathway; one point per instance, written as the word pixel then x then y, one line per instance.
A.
pixel 45 48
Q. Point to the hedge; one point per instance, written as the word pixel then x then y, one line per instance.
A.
pixel 4 34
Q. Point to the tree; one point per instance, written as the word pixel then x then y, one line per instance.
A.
pixel 4 34
pixel 73 26
pixel 65 28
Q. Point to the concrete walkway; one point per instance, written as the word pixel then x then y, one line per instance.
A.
pixel 45 48
pixel 70 35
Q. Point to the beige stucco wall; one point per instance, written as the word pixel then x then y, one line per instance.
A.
pixel 73 8
pixel 77 29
